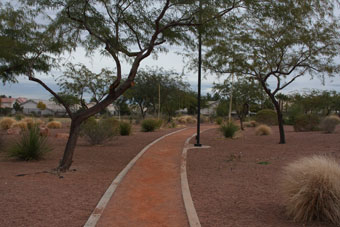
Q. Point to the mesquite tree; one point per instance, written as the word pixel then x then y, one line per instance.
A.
pixel 278 43
pixel 125 30
pixel 245 94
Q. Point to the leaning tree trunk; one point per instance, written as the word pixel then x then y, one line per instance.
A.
pixel 66 161
pixel 280 122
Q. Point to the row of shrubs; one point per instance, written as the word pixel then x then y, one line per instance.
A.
pixel 230 129
pixel 31 145
pixel 7 123
pixel 300 122
pixel 97 131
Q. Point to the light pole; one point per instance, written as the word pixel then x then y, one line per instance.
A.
pixel 198 144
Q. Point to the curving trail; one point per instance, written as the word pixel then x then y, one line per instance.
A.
pixel 150 193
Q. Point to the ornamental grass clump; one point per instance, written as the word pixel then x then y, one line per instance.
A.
pixel 54 124
pixel 98 132
pixel 329 123
pixel 149 125
pixel 229 129
pixel 21 124
pixel 6 123
pixel 124 128
pixel 29 122
pixel 30 146
pixel 263 130
pixel 311 189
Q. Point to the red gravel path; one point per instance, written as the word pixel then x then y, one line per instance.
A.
pixel 45 199
pixel 150 194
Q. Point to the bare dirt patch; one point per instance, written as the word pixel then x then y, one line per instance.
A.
pixel 44 199
pixel 235 182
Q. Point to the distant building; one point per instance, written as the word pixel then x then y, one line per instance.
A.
pixel 7 102
pixel 211 109
pixel 30 106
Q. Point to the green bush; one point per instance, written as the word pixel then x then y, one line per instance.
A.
pixel 219 120
pixel 31 146
pixel 150 125
pixel 124 128
pixel 159 123
pixel 311 189
pixel 293 112
pixel 19 117
pixel 172 124
pixel 98 132
pixel 229 130
pixel 267 117
pixel 306 122
pixel 329 123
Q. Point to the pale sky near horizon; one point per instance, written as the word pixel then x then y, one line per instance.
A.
pixel 169 61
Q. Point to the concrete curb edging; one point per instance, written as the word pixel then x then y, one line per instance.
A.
pixel 97 212
pixel 187 199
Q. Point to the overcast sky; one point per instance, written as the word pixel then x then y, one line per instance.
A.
pixel 169 61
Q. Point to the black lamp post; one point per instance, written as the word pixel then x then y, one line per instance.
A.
pixel 198 144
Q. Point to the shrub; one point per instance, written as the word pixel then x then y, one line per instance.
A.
pixel 266 116
pixel 98 132
pixel 187 119
pixel 172 124
pixel 263 130
pixel 6 123
pixel 329 123
pixel 159 123
pixel 124 128
pixel 21 124
pixel 181 120
pixel 229 129
pixel 203 119
pixel 19 117
pixel 219 120
pixel 31 146
pixel 54 124
pixel 293 111
pixel 250 124
pixel 311 189
pixel 149 125
pixel 29 122
pixel 39 122
pixel 306 122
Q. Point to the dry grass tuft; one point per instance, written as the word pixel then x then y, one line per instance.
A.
pixel 6 123
pixel 54 124
pixel 186 119
pixel 263 130
pixel 329 123
pixel 311 189
pixel 250 124
pixel 20 124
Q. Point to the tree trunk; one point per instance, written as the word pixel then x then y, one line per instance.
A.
pixel 141 111
pixel 241 123
pixel 280 122
pixel 66 162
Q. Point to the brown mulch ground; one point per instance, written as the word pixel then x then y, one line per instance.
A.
pixel 45 199
pixel 230 188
